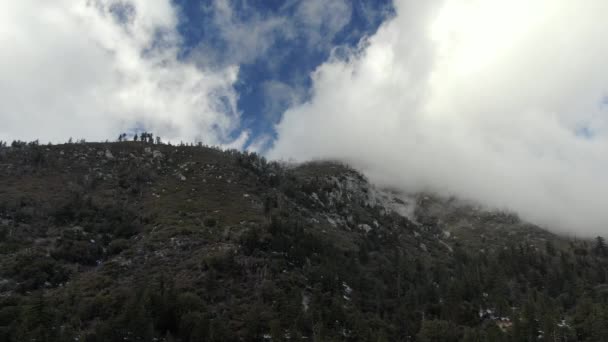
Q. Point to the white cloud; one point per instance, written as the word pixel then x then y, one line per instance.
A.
pixel 321 20
pixel 278 96
pixel 246 38
pixel 260 144
pixel 248 34
pixel 95 68
pixel 484 99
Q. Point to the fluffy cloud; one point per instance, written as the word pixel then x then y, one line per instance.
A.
pixel 244 34
pixel 499 102
pixel 95 68
pixel 278 96
pixel 321 20
pixel 247 34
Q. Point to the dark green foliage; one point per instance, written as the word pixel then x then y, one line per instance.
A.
pixel 123 250
pixel 33 270
pixel 109 219
pixel 438 331
pixel 600 247
pixel 79 250
pixel 210 222
pixel 118 245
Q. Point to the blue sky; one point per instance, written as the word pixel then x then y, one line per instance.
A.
pixel 286 64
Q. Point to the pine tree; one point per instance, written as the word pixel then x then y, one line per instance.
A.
pixel 38 320
pixel 550 248
pixel 437 331
pixel 600 246
pixel 530 321
pixel 598 323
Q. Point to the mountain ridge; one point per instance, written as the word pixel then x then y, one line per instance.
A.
pixel 141 241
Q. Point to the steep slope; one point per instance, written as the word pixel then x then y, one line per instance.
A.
pixel 139 242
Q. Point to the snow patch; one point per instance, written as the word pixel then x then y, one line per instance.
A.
pixel 364 227
pixel 305 302
pixel 446 245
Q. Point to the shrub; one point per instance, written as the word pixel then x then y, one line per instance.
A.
pixel 210 222
pixel 32 270
pixel 78 251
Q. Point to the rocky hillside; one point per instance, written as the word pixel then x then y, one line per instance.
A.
pixel 135 241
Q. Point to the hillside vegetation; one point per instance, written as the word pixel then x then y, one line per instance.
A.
pixel 135 241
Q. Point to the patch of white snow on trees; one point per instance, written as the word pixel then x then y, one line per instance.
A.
pixel 364 227
pixel 305 302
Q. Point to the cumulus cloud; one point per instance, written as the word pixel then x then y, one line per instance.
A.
pixel 95 68
pixel 499 102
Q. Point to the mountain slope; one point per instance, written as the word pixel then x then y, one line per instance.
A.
pixel 141 242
